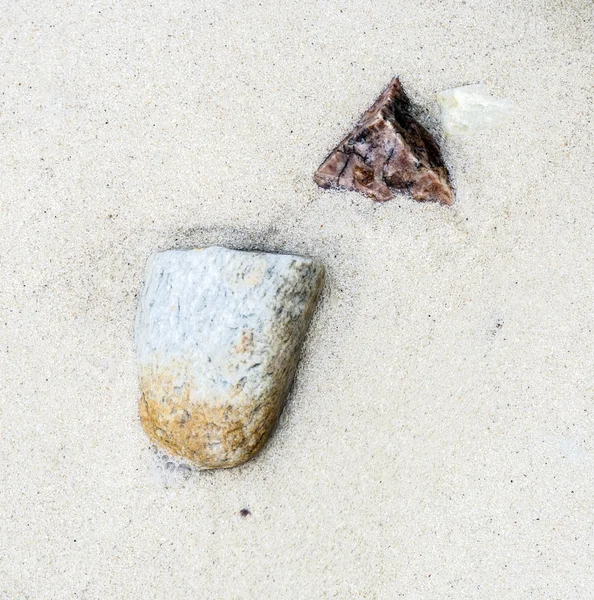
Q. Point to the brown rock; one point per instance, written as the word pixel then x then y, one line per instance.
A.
pixel 388 151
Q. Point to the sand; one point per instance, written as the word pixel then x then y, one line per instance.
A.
pixel 438 440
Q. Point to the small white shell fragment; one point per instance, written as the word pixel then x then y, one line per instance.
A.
pixel 471 108
pixel 218 335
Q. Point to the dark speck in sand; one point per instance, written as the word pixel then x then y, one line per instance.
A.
pixel 244 512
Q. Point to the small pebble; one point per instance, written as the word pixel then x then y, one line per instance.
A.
pixel 471 108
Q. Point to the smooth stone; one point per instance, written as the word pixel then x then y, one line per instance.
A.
pixel 470 108
pixel 218 337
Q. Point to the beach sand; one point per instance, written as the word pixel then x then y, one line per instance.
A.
pixel 438 442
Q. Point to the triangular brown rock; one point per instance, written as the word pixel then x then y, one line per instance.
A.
pixel 388 151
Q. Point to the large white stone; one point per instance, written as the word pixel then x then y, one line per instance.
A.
pixel 218 335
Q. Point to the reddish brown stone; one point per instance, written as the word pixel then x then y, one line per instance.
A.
pixel 388 151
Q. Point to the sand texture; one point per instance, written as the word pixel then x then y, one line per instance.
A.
pixel 438 439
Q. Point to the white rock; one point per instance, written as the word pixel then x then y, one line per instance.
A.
pixel 218 334
pixel 470 108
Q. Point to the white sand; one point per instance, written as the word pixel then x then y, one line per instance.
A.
pixel 438 442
